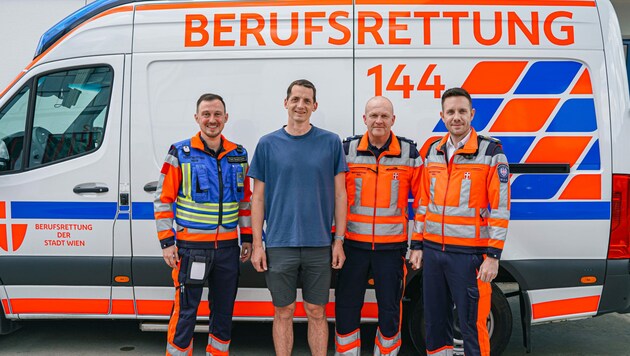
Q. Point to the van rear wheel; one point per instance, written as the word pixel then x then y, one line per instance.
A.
pixel 7 326
pixel 499 325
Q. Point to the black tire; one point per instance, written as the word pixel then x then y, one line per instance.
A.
pixel 7 326
pixel 499 324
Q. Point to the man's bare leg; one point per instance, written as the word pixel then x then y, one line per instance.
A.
pixel 283 329
pixel 317 328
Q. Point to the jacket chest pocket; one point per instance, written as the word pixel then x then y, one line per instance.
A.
pixel 205 184
pixel 237 180
pixel 399 186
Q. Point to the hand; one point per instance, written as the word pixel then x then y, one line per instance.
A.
pixel 259 258
pixel 488 270
pixel 246 251
pixel 415 259
pixel 338 256
pixel 170 256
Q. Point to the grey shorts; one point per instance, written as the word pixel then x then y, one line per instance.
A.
pixel 283 266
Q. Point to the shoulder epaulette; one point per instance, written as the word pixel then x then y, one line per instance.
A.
pixel 491 139
pixel 351 138
pixel 401 138
pixel 239 148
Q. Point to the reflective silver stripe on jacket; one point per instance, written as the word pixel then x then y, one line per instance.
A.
pixel 462 231
pixel 379 229
pixel 418 226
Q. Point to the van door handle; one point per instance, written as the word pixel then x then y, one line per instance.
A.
pixel 90 188
pixel 150 187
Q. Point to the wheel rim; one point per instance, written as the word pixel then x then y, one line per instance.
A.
pixel 458 342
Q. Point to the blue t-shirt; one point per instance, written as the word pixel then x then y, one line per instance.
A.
pixel 299 175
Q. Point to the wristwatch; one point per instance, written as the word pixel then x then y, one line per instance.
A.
pixel 340 238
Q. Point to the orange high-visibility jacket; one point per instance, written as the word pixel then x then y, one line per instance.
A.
pixel 207 197
pixel 465 204
pixel 378 191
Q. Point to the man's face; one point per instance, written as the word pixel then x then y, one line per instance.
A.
pixel 300 104
pixel 379 118
pixel 457 115
pixel 211 117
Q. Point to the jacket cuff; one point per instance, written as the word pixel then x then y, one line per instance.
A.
pixel 167 242
pixel 415 245
pixel 246 238
pixel 494 253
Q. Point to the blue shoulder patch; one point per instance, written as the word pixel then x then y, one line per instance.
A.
pixel 504 173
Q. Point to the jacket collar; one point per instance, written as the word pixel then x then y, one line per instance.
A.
pixel 196 142
pixel 392 150
pixel 469 148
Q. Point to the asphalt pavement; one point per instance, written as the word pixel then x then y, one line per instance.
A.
pixel 604 335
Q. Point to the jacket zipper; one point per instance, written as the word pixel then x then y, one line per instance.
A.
pixel 374 211
pixel 448 182
pixel 216 236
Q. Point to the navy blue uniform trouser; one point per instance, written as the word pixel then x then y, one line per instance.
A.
pixel 451 278
pixel 222 271
pixel 388 269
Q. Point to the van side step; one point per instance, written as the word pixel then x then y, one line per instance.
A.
pixel 162 326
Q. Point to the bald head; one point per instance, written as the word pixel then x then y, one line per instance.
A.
pixel 379 118
pixel 379 102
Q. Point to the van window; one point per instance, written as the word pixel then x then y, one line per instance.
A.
pixel 69 114
pixel 12 125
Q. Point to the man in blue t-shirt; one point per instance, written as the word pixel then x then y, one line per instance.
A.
pixel 299 187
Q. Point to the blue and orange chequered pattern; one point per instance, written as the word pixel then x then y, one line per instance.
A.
pixel 543 112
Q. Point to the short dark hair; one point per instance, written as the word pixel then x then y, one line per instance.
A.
pixel 456 92
pixel 303 83
pixel 210 97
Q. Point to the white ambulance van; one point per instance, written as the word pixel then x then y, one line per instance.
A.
pixel 85 127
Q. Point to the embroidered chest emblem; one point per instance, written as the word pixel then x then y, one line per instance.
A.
pixel 467 175
pixel 395 176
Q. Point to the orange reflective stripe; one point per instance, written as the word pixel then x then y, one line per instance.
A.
pixel 164 215
pixel 154 307
pixel 443 348
pixel 496 243
pixel 376 238
pixel 386 350
pixel 165 234
pixel 453 220
pixel 184 235
pixel 5 305
pixel 498 222
pixel 123 306
pixel 3 210
pixel 565 307
pixel 345 348
pixel 483 310
pixel 449 240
